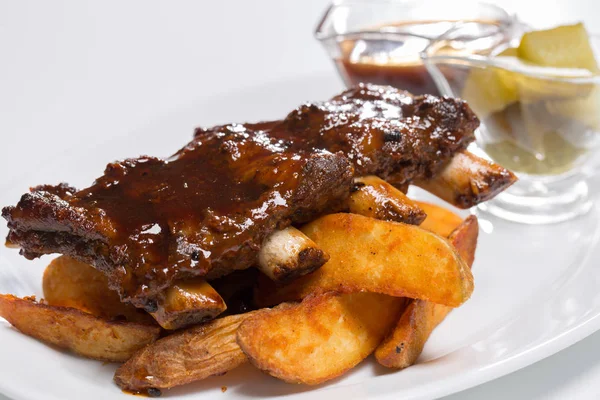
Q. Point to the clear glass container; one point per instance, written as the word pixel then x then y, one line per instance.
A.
pixel 542 123
pixel 380 41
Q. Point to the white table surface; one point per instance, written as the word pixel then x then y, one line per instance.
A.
pixel 90 71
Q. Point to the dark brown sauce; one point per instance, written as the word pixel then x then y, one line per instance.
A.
pixel 411 77
pixel 141 192
pixel 217 190
pixel 410 74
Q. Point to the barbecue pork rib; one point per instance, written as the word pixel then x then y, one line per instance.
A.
pixel 206 211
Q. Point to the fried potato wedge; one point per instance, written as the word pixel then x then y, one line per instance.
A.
pixel 75 330
pixel 368 255
pixel 71 283
pixel 439 219
pixel 319 339
pixel 405 343
pixel 464 239
pixel 185 356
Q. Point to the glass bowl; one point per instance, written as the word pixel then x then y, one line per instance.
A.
pixel 380 41
pixel 542 123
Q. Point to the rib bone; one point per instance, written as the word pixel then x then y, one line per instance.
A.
pixel 373 197
pixel 468 180
pixel 188 303
pixel 288 254
pixel 285 254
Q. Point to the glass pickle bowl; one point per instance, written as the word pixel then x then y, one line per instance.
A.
pixel 543 123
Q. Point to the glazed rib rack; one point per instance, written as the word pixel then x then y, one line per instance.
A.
pixel 229 200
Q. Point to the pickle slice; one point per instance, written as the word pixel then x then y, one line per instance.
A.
pixel 533 89
pixel 562 47
pixel 529 138
pixel 494 88
pixel 584 110
pixel 488 90
pixel 509 52
pixel 560 157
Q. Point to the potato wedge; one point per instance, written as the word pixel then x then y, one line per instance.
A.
pixel 185 356
pixel 368 255
pixel 464 239
pixel 439 219
pixel 71 283
pixel 405 343
pixel 75 330
pixel 319 339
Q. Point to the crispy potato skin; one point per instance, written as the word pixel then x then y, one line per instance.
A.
pixel 368 255
pixel 71 283
pixel 405 343
pixel 319 339
pixel 185 356
pixel 439 220
pixel 75 330
pixel 464 239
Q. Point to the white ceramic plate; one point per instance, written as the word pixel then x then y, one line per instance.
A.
pixel 536 287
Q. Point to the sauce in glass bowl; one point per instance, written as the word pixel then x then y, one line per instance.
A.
pixel 396 61
pixel 381 42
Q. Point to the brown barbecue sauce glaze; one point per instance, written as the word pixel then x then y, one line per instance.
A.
pixel 205 210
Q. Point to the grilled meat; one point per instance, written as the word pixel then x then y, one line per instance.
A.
pixel 206 211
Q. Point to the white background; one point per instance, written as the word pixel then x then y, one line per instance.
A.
pixel 77 73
